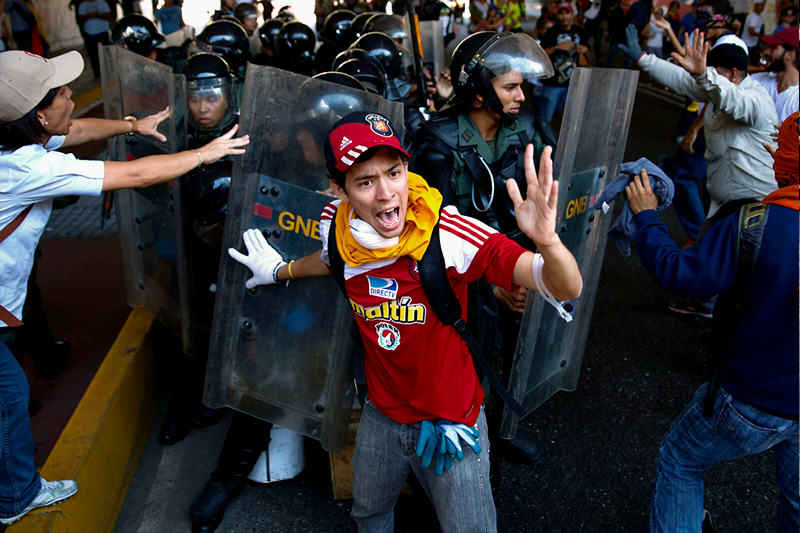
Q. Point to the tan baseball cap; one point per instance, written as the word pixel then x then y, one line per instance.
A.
pixel 25 79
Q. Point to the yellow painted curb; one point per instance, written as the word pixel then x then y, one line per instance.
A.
pixel 86 99
pixel 102 442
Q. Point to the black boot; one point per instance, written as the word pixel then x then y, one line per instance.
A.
pixel 178 421
pixel 247 438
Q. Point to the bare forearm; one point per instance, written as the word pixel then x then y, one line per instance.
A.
pixel 149 170
pixel 560 271
pixel 95 129
pixel 305 267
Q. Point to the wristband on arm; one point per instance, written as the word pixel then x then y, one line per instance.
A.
pixel 537 265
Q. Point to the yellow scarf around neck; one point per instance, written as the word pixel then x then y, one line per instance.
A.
pixel 422 214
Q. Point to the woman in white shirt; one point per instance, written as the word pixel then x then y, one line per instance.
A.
pixel 655 33
pixel 35 109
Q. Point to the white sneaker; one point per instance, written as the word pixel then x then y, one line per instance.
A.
pixel 50 493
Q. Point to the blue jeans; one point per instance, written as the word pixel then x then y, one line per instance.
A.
pixel 386 453
pixel 551 101
pixel 613 50
pixel 694 443
pixel 19 480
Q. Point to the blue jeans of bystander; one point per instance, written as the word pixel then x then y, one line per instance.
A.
pixel 19 480
pixel 386 453
pixel 551 101
pixel 695 442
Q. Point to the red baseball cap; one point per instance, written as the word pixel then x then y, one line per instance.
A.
pixel 787 36
pixel 564 5
pixel 356 133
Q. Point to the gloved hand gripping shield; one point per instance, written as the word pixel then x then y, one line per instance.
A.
pixel 591 146
pixel 148 219
pixel 283 352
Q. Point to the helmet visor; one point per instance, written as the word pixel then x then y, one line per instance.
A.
pixel 515 52
pixel 210 103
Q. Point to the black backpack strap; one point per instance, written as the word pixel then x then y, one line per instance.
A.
pixel 752 222
pixel 334 257
pixel 445 304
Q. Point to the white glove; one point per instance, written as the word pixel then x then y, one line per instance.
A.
pixel 262 259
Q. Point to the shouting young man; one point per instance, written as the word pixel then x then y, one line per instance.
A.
pixel 424 394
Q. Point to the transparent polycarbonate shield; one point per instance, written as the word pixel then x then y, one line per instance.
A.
pixel 431 33
pixel 137 86
pixel 283 352
pixel 591 145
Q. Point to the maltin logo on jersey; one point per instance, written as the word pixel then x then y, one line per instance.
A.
pixel 379 124
pixel 388 335
pixel 383 288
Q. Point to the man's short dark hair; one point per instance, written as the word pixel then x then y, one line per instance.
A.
pixel 27 129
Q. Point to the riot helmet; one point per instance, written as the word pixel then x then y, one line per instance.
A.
pixel 336 29
pixel 357 26
pixel 326 107
pixel 228 40
pixel 394 59
pixel 340 78
pixel 210 92
pixel 267 33
pixel 247 15
pixel 208 194
pixel 286 14
pixel 368 72
pixel 136 33
pixel 353 53
pixel 484 56
pixel 294 46
pixel 391 25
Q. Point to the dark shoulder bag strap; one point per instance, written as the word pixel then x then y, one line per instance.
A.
pixel 445 304
pixel 752 221
pixel 5 315
pixel 334 257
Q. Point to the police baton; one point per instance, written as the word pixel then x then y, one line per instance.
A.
pixel 416 47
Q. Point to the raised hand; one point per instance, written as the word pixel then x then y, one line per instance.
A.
pixel 694 62
pixel 536 215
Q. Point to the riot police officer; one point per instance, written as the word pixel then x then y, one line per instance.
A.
pixel 470 149
pixel 138 34
pixel 266 35
pixel 227 39
pixel 294 46
pixel 335 36
pixel 212 108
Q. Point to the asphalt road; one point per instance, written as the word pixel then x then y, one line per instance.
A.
pixel 641 366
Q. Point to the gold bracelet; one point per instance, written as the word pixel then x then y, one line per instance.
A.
pixel 199 159
pixel 289 268
pixel 133 122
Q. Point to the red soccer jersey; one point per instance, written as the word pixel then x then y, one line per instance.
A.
pixel 417 368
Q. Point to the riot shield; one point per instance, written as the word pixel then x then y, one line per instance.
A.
pixel 591 145
pixel 283 352
pixel 147 218
pixel 134 85
pixel 432 36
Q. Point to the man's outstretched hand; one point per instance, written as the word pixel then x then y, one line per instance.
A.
pixel 536 215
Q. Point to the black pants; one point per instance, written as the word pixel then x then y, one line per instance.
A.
pixel 92 41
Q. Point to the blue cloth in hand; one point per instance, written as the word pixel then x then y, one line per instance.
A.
pixel 623 230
